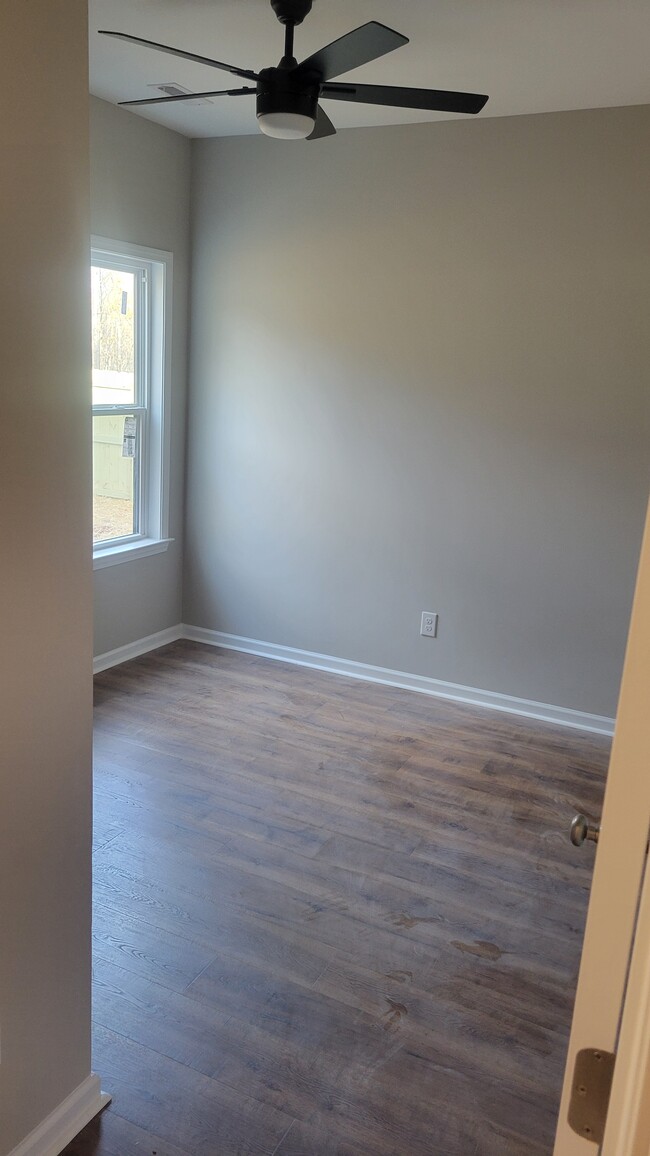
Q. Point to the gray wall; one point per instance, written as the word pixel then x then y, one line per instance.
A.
pixel 45 567
pixel 140 182
pixel 420 381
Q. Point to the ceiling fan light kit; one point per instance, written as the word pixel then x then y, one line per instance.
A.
pixel 286 125
pixel 288 96
pixel 285 107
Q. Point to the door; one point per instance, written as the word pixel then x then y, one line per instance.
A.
pixel 618 892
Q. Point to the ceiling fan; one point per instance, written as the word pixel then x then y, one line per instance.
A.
pixel 288 96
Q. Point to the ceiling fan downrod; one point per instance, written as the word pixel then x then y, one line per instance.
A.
pixel 290 13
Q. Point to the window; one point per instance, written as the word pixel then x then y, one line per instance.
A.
pixel 131 301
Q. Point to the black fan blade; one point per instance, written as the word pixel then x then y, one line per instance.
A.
pixel 350 51
pixel 436 100
pixel 323 126
pixel 186 96
pixel 179 52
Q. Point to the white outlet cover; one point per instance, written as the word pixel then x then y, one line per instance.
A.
pixel 429 624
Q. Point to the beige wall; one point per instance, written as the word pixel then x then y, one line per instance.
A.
pixel 45 567
pixel 140 185
pixel 420 381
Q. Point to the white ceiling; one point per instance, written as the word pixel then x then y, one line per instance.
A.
pixel 528 55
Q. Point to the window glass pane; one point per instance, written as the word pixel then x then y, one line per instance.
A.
pixel 113 335
pixel 115 442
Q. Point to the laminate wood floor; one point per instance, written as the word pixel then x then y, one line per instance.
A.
pixel 331 918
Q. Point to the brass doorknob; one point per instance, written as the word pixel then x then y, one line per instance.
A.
pixel 582 829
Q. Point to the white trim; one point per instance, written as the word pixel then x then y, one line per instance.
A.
pixel 110 247
pixel 135 649
pixel 627 1131
pixel 66 1121
pixel 560 716
pixel 113 555
pixel 545 712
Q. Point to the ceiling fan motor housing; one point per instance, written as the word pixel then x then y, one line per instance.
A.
pixel 279 91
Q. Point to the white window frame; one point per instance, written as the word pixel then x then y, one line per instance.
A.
pixel 153 350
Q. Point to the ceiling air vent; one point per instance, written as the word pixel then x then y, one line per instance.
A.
pixel 173 89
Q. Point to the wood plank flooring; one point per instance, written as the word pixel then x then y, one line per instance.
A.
pixel 331 918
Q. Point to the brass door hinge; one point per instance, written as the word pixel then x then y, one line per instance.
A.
pixel 592 1085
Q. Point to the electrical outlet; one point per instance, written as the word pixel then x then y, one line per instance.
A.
pixel 429 624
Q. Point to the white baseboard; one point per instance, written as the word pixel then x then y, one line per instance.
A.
pixel 560 716
pixel 135 649
pixel 63 1124
pixel 545 712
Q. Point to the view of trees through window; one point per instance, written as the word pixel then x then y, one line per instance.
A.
pixel 113 317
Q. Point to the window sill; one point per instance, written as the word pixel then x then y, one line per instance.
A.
pixel 113 555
